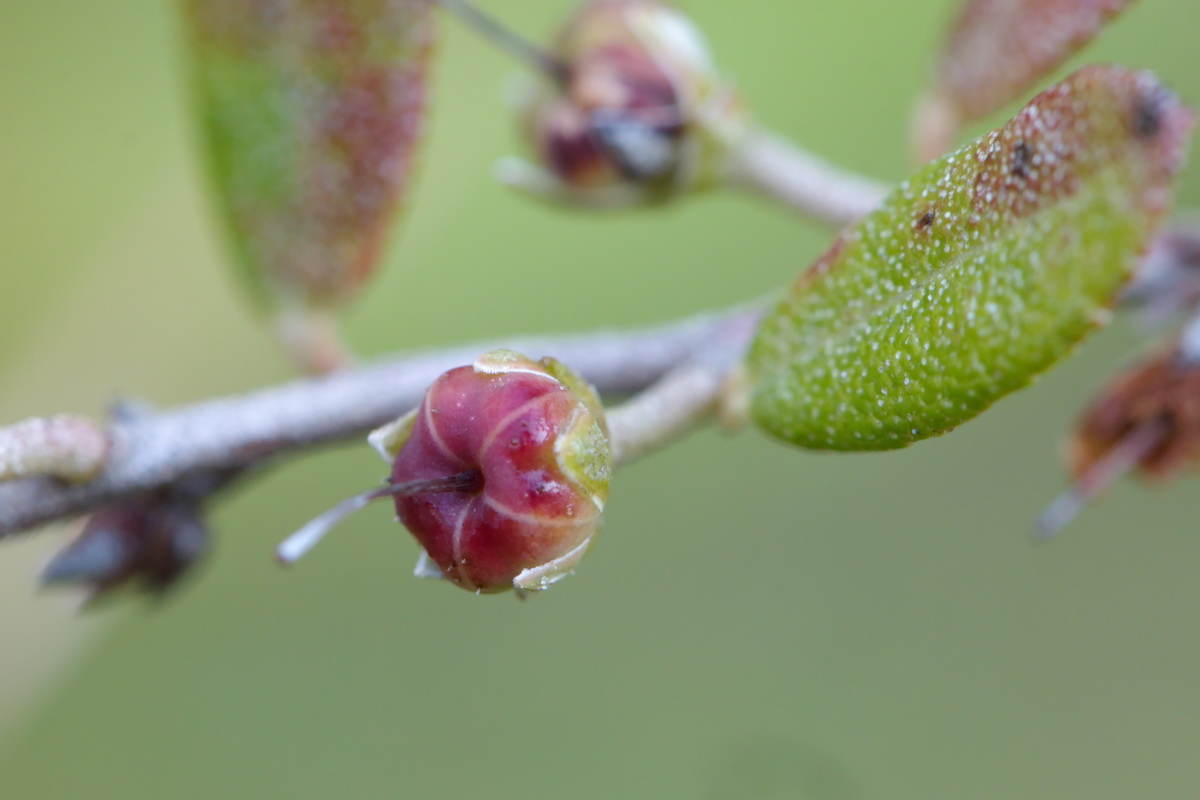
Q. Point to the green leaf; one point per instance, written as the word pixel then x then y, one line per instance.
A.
pixel 311 113
pixel 975 275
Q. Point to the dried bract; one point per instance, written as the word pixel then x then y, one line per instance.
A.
pixel 146 544
pixel 1160 394
pixel 1147 419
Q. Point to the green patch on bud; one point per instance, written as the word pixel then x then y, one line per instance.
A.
pixel 583 391
pixel 584 455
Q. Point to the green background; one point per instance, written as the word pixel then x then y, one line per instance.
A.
pixel 755 622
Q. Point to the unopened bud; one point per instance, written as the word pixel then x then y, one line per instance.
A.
pixel 501 474
pixel 637 113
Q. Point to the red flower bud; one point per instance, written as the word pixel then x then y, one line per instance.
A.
pixel 501 474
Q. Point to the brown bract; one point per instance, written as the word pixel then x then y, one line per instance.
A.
pixel 1160 395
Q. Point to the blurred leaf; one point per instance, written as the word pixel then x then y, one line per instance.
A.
pixel 978 273
pixel 311 111
pixel 995 51
pixel 1147 419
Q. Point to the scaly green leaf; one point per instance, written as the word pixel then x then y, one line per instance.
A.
pixel 975 275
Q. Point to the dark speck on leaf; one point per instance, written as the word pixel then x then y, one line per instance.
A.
pixel 1020 159
pixel 1147 115
pixel 926 220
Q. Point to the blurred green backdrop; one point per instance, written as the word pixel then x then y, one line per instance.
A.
pixel 755 622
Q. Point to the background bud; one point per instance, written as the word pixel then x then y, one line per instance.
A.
pixel 533 433
pixel 1147 419
pixel 637 114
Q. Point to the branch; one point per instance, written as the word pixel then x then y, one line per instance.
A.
pixel 771 165
pixel 686 397
pixel 156 451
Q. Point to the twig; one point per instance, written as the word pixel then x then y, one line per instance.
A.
pixel 676 404
pixel 312 340
pixel 688 396
pixel 505 38
pixel 1167 283
pixel 157 451
pixel 771 165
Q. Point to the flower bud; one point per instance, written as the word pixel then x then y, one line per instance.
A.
pixel 501 474
pixel 638 113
